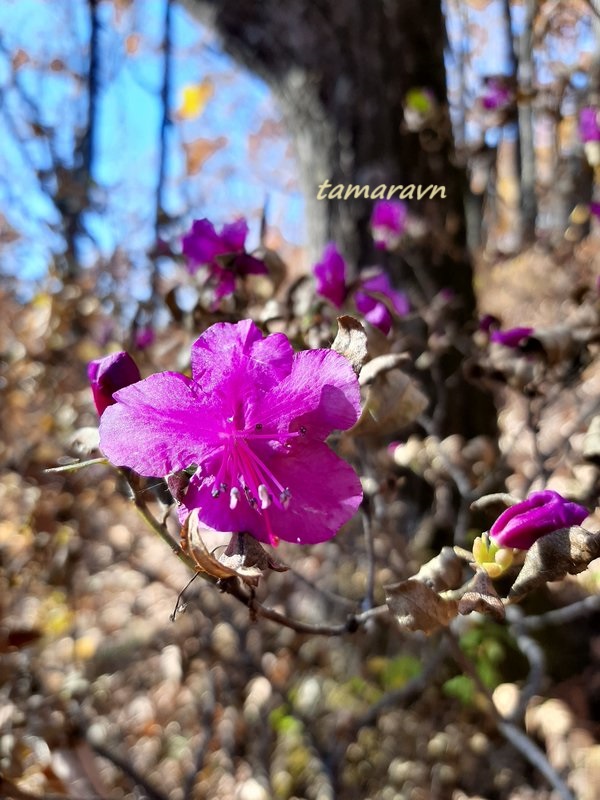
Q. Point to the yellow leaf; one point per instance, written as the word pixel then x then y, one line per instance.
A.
pixel 194 98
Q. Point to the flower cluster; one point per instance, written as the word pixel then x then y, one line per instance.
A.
pixel 252 422
pixel 373 295
pixel 223 254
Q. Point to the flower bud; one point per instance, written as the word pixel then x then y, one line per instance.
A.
pixel 542 512
pixel 108 375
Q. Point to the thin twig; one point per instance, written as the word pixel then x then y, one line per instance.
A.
pixel 159 528
pixel 128 770
pixel 561 616
pixel 520 741
pixel 534 655
pixel 370 554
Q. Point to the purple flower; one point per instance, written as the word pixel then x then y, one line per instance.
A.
pixel 253 419
pixel 589 129
pixel 223 253
pixel 512 337
pixel 595 209
pixel 144 337
pixel 108 375
pixel 496 95
pixel 487 322
pixel 388 223
pixel 368 299
pixel 330 276
pixel 543 512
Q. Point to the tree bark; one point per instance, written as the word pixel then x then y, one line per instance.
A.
pixel 341 69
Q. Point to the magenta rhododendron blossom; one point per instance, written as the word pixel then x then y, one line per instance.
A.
pixel 374 294
pixel 222 253
pixel 595 209
pixel 330 276
pixel 512 337
pixel 388 223
pixel 589 125
pixel 252 419
pixel 108 375
pixel 369 299
pixel 543 512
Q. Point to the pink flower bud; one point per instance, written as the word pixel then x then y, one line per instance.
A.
pixel 523 524
pixel 108 375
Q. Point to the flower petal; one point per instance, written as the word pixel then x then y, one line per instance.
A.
pixel 234 235
pixel 374 311
pixel 159 425
pixel 202 244
pixel 108 375
pixel 379 284
pixel 542 512
pixel 330 276
pixel 320 393
pixel 237 361
pixel 326 493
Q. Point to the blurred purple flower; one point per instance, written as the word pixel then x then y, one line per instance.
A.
pixel 330 276
pixel 108 375
pixel 496 95
pixel 368 299
pixel 487 322
pixel 512 337
pixel 222 253
pixel 253 419
pixel 595 209
pixel 589 129
pixel 144 337
pixel 523 524
pixel 388 223
pixel 371 291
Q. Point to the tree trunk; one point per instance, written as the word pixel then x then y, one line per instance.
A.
pixel 341 69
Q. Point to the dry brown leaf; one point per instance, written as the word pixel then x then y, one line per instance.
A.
pixel 481 596
pixel 393 399
pixel 443 572
pixel 417 607
pixel 351 341
pixel 243 557
pixel 567 551
pixel 199 151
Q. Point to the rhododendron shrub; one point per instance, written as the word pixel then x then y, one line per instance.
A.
pixel 253 419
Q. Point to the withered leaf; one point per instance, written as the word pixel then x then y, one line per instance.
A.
pixel 442 572
pixel 567 551
pixel 351 341
pixel 481 596
pixel 243 557
pixel 244 552
pixel 393 399
pixel 417 607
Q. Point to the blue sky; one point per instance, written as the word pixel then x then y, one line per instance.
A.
pixel 230 183
pixel 43 54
